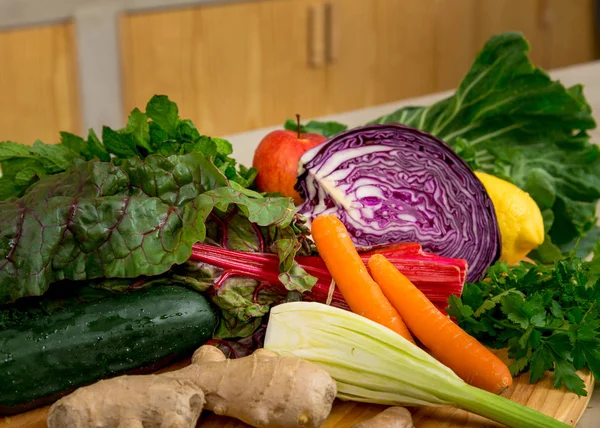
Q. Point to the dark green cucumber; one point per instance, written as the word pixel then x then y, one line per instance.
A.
pixel 45 357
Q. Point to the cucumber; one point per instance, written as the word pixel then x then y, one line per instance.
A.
pixel 44 358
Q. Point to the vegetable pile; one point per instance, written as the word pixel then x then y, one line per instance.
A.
pixel 393 223
pixel 132 221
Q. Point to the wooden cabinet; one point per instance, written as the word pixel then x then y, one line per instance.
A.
pixel 382 52
pixel 229 68
pixel 236 66
pixel 38 83
pixel 241 66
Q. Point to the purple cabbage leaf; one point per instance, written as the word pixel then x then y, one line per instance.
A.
pixel 391 183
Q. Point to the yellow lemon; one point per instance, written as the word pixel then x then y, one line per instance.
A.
pixel 519 218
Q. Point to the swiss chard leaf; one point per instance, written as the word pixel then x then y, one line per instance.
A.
pixel 291 274
pixel 100 220
pixel 157 131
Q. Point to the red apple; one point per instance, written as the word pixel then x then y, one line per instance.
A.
pixel 276 159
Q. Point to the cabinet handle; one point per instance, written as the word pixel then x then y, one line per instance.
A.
pixel 331 33
pixel 316 36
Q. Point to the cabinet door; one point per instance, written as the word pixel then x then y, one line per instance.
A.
pixel 383 51
pixel 38 83
pixel 386 50
pixel 229 67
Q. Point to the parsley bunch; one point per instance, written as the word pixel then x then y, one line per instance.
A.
pixel 547 317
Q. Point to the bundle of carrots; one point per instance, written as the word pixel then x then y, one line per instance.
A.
pixel 392 300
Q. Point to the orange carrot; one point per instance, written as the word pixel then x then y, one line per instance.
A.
pixel 350 274
pixel 450 344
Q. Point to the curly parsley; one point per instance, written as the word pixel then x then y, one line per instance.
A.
pixel 547 317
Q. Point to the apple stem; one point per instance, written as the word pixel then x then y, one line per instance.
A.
pixel 298 123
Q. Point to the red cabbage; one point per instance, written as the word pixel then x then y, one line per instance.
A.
pixel 392 183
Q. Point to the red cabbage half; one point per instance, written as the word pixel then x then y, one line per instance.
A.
pixel 391 183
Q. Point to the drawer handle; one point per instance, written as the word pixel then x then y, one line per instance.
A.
pixel 331 33
pixel 316 36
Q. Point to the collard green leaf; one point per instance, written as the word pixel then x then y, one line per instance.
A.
pixel 518 124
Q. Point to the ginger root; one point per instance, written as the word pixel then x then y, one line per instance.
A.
pixel 263 390
pixel 392 417
pixel 149 401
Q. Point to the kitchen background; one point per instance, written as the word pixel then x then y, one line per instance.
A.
pixel 233 66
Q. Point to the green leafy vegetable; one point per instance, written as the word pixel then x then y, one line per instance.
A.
pixel 547 316
pixel 245 298
pixel 126 211
pixel 158 131
pixel 100 220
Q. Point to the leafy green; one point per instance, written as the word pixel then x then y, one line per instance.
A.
pixel 158 131
pixel 547 316
pixel 102 220
pixel 245 299
pixel 508 118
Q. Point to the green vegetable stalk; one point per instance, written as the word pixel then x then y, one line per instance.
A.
pixel 371 363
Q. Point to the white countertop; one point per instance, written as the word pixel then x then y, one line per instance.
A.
pixel 587 74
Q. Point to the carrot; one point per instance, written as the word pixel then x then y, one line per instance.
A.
pixel 450 344
pixel 350 274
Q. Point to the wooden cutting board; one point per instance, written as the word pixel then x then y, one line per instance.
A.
pixel 558 403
